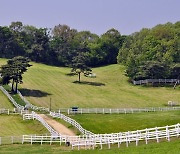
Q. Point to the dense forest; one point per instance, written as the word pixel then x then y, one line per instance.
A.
pixel 60 45
pixel 150 53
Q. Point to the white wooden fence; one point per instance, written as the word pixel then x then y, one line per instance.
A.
pixel 72 122
pixel 139 82
pixel 33 107
pixel 156 133
pixel 115 110
pixel 4 111
pixel 18 106
pixel 98 140
pixel 33 115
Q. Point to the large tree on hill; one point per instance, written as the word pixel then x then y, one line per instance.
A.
pixel 13 71
pixel 79 66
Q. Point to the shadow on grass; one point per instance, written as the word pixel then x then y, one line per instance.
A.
pixel 71 74
pixel 90 83
pixel 33 93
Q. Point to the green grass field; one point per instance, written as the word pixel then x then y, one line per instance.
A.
pixel 112 123
pixel 4 102
pixel 161 148
pixel 109 89
pixel 14 125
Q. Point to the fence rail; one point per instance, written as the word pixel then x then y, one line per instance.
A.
pixel 139 82
pixel 115 110
pixel 33 107
pixel 33 115
pixel 72 122
pixel 92 141
pixel 19 107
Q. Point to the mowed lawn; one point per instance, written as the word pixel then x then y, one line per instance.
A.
pixel 14 125
pixel 44 84
pixel 113 123
pixel 4 102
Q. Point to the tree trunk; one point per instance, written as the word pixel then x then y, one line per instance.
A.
pixel 79 74
pixel 16 86
pixel 12 88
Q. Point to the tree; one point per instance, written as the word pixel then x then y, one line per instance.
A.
pixel 13 70
pixel 79 66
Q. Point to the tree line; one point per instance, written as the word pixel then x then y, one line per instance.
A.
pixel 59 45
pixel 152 53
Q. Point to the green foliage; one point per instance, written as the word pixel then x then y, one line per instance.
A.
pixel 13 70
pixel 60 45
pixel 156 49
pixel 79 65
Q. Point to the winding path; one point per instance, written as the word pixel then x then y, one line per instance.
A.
pixel 60 128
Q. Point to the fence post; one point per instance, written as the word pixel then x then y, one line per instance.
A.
pixel 0 141
pixel 167 134
pixel 178 129
pixel 137 139
pixel 157 137
pixel 8 111
pixel 146 138
pixel 31 140
pixel 23 139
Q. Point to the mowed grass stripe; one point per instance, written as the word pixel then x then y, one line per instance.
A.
pixel 14 125
pixel 4 102
pixel 115 91
pixel 108 123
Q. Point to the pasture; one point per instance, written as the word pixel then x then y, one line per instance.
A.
pixel 44 84
pixel 4 102
pixel 14 125
pixel 113 123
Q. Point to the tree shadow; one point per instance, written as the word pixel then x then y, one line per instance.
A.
pixel 90 83
pixel 33 93
pixel 71 74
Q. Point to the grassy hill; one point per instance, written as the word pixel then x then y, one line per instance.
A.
pixel 109 89
pixel 15 126
pixel 4 102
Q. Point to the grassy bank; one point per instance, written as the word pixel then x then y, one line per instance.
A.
pixel 14 125
pixel 111 88
pixel 109 123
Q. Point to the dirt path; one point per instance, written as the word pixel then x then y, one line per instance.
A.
pixel 57 126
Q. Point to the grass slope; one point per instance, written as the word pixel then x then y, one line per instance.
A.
pixel 109 89
pixel 126 122
pixel 13 125
pixel 161 148
pixel 4 102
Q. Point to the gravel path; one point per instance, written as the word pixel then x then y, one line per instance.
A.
pixel 58 126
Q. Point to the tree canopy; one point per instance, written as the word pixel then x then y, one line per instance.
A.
pixel 13 70
pixel 152 53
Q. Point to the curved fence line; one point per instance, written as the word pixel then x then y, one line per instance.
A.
pixel 92 141
pixel 28 104
pixel 18 106
pixel 146 81
pixel 115 110
pixel 33 115
pixel 72 122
